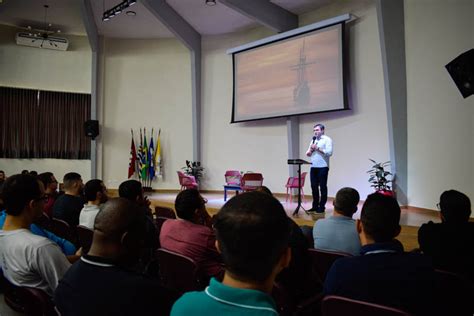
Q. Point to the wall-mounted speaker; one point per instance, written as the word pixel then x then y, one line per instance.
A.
pixel 461 70
pixel 91 128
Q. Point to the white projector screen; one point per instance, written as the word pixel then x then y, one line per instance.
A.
pixel 293 76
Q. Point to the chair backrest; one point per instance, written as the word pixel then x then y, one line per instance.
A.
pixel 62 229
pixel 179 272
pixel 293 182
pixel 44 221
pixel 186 181
pixel 233 177
pixel 323 260
pixel 163 211
pixel 454 292
pixel 334 305
pixel 85 235
pixel 251 181
pixel 27 300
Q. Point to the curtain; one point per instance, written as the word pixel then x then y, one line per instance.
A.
pixel 43 124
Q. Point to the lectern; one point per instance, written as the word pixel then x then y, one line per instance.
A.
pixel 298 162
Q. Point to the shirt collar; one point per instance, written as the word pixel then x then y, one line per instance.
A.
pixel 243 298
pixel 98 261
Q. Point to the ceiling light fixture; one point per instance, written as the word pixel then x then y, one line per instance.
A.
pixel 131 13
pixel 211 2
pixel 117 9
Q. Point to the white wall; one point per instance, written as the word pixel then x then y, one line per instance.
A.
pixel 147 83
pixel 44 69
pixel 440 121
pixel 358 134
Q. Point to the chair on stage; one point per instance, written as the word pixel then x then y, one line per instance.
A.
pixel 323 260
pixel 251 181
pixel 294 183
pixel 334 305
pixel 187 182
pixel 233 179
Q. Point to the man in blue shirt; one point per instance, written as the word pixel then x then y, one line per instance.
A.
pixel 338 232
pixel 252 231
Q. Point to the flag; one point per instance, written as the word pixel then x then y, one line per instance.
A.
pixel 157 156
pixel 133 159
pixel 145 163
pixel 151 155
pixel 140 156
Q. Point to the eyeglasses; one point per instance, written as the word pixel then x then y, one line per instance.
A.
pixel 439 207
pixel 204 200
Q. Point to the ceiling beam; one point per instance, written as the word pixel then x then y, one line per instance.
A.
pixel 89 24
pixel 265 13
pixel 192 40
pixel 174 22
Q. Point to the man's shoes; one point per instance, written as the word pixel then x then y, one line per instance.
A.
pixel 320 210
pixel 312 210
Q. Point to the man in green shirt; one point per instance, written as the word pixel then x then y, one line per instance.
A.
pixel 252 232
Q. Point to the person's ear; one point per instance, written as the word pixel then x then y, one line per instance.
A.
pixel 397 231
pixel 286 258
pixel 358 226
pixel 218 246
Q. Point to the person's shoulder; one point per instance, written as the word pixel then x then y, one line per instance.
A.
pixel 190 303
pixel 429 228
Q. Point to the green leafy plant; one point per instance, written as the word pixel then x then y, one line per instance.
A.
pixel 379 177
pixel 193 168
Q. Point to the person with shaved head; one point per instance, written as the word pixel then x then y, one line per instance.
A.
pixel 101 283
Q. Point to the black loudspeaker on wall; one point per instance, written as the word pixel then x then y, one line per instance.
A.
pixel 91 128
pixel 461 70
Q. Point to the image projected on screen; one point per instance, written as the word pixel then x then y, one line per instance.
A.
pixel 298 75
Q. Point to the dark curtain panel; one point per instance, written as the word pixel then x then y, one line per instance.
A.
pixel 43 124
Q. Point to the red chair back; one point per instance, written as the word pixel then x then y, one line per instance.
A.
pixel 162 211
pixel 334 305
pixel 62 229
pixel 293 182
pixel 233 177
pixel 179 272
pixel 251 181
pixel 323 260
pixel 28 301
pixel 85 235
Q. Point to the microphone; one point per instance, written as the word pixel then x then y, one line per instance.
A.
pixel 314 138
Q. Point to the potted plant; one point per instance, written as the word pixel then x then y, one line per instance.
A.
pixel 380 178
pixel 193 168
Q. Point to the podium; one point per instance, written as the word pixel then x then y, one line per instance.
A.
pixel 298 162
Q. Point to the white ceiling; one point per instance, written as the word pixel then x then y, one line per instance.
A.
pixel 66 16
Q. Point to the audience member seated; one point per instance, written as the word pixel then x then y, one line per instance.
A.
pixel 132 190
pixel 299 278
pixel 252 232
pixel 96 194
pixel 26 259
pixel 69 205
pixel 100 283
pixel 338 232
pixel 192 234
pixel 2 178
pixel 50 186
pixel 383 273
pixel 450 243
pixel 66 246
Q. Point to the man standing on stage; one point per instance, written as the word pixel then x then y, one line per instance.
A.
pixel 320 149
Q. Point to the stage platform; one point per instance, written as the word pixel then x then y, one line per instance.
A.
pixel 411 218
